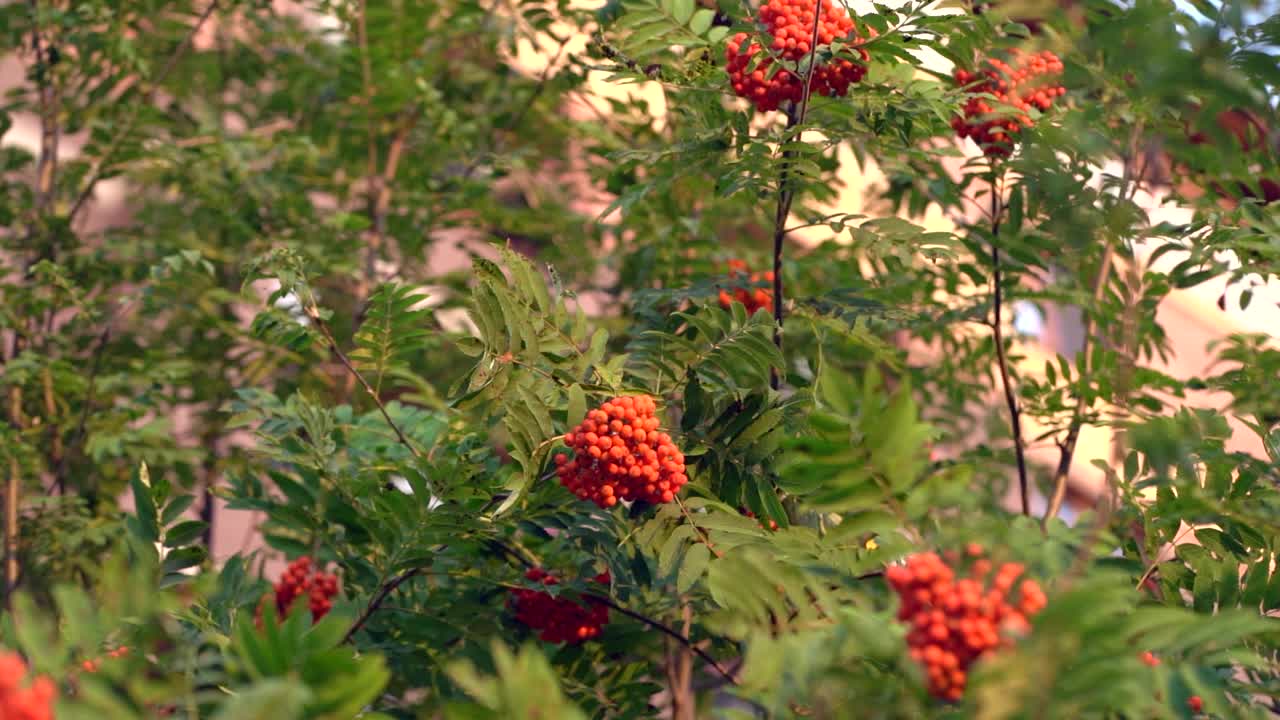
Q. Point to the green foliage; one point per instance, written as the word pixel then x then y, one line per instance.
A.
pixel 271 329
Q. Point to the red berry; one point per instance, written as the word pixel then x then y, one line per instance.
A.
pixel 22 701
pixel 753 299
pixel 559 619
pixel 788 31
pixel 299 579
pixel 1195 703
pixel 956 620
pixel 620 455
pixel 1021 85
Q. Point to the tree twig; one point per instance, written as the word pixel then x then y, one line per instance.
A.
pixel 50 132
pixel 1002 360
pixel 95 172
pixel 376 601
pixel 1067 447
pixel 373 192
pixel 786 193
pixel 77 436
pixel 314 314
pixel 666 630
pixel 12 495
pixel 518 116
pixel 387 588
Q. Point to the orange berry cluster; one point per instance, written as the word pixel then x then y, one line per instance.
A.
pixel 752 298
pixel 1028 82
pixel 559 619
pixel 93 665
pixel 620 454
pixel 300 578
pixel 19 701
pixel 790 24
pixel 956 620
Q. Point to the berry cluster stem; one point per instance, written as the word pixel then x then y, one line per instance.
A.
pixel 1002 360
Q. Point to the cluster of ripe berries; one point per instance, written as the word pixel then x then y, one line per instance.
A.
pixel 1195 703
pixel 619 453
pixel 93 665
pixel 1026 83
pixel 21 701
pixel 299 579
pixel 559 619
pixel 956 620
pixel 790 25
pixel 753 298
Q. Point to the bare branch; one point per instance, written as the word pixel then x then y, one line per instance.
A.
pixel 1002 360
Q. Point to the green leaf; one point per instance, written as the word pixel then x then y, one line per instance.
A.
pixel 576 410
pixel 175 508
pixel 682 10
pixel 672 547
pixel 694 564
pixel 144 504
pixel 184 533
pixel 701 21
pixel 271 699
pixel 182 558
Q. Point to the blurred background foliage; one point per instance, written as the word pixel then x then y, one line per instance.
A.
pixel 367 263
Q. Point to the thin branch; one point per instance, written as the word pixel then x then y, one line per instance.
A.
pixel 514 120
pixel 786 193
pixel 314 314
pixel 50 132
pixel 376 601
pixel 374 190
pixel 706 539
pixel 95 365
pixel 1067 448
pixel 408 118
pixel 12 494
pixel 95 173
pixel 666 630
pixel 1002 360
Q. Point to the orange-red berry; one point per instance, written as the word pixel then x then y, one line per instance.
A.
pixel 956 620
pixel 1028 82
pixel 300 579
pixel 20 700
pixel 1195 704
pixel 787 33
pixel 1149 658
pixel 753 299
pixel 628 459
pixel 559 619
